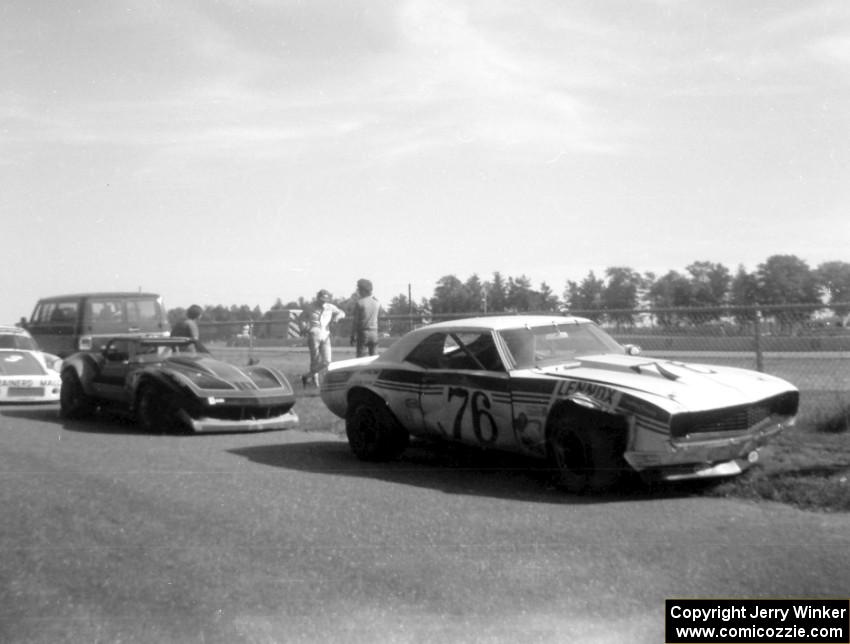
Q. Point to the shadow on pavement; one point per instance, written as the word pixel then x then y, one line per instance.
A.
pixel 452 469
pixel 48 412
pixel 102 422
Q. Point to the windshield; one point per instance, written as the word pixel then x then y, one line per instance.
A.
pixel 165 347
pixel 557 343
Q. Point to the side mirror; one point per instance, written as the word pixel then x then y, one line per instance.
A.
pixel 632 349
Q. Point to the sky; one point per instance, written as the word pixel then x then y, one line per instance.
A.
pixel 236 152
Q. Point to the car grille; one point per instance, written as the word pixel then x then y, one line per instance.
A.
pixel 734 419
pixel 24 392
pixel 240 412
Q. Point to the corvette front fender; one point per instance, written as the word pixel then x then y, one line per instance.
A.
pixel 86 366
pixel 152 376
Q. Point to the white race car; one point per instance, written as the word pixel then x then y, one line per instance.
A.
pixel 27 375
pixel 561 389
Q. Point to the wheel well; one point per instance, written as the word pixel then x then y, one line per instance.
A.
pixel 587 415
pixel 148 380
pixel 141 385
pixel 76 372
pixel 361 394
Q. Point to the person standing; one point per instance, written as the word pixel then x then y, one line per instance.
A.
pixel 364 326
pixel 315 322
pixel 187 327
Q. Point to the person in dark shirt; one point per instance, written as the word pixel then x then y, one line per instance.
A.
pixel 364 328
pixel 187 327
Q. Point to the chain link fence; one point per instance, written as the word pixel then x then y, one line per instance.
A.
pixel 809 345
pixel 805 344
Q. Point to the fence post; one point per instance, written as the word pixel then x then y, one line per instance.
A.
pixel 757 330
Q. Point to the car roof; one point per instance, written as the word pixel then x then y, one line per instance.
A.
pixel 501 322
pixel 73 296
pixel 403 345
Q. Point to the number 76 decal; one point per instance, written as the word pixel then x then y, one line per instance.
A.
pixel 485 432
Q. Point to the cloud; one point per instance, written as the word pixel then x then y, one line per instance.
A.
pixel 835 49
pixel 462 76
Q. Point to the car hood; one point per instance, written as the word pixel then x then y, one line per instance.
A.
pixel 16 362
pixel 209 373
pixel 690 386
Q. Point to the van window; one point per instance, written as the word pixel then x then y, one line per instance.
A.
pixel 106 311
pixel 141 311
pixel 56 312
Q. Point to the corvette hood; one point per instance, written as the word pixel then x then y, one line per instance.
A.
pixel 688 386
pixel 209 373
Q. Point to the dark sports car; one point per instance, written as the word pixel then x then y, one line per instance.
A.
pixel 174 384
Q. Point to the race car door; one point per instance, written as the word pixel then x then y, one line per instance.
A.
pixel 465 395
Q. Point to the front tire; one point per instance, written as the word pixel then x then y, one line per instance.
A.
pixel 586 449
pixel 73 401
pixel 156 409
pixel 373 432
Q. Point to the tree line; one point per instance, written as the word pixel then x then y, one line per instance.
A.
pixel 779 280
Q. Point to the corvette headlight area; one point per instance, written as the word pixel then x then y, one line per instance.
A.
pixel 266 378
pixel 206 381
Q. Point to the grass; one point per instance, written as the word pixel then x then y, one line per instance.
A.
pixel 807 466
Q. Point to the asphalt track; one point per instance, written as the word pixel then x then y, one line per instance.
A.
pixel 113 535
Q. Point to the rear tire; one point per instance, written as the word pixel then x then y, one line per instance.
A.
pixel 586 449
pixel 73 401
pixel 373 432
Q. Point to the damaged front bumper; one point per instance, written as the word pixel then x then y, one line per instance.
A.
pixel 706 456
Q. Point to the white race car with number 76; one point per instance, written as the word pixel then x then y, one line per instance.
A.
pixel 560 389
